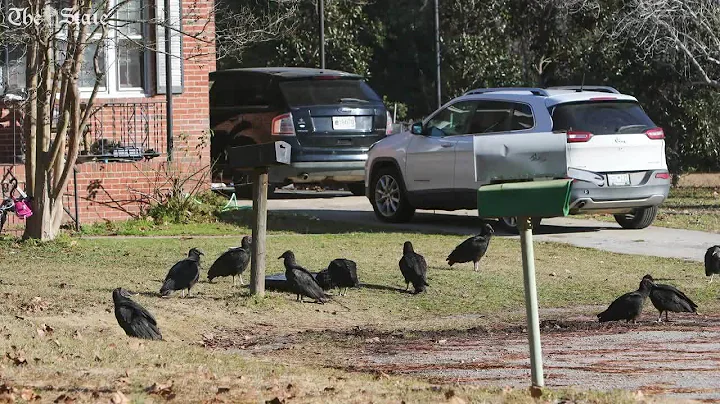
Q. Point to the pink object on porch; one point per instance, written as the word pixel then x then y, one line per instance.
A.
pixel 22 209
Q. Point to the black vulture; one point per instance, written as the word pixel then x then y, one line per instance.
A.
pixel 668 298
pixel 301 281
pixel 324 280
pixel 472 249
pixel 413 268
pixel 183 275
pixel 712 261
pixel 343 273
pixel 232 262
pixel 133 318
pixel 628 306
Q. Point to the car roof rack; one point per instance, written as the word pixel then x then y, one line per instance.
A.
pixel 533 90
pixel 602 89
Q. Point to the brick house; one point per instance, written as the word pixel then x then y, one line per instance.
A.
pixel 124 152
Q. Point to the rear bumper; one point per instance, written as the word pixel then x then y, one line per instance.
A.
pixel 312 172
pixel 588 197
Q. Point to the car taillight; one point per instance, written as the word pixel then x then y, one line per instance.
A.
pixel 655 133
pixel 388 126
pixel 664 176
pixel 578 137
pixel 283 125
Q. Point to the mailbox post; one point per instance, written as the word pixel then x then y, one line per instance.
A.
pixel 258 159
pixel 526 200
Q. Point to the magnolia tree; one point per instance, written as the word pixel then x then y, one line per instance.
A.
pixel 64 42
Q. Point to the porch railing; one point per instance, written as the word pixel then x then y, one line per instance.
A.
pixel 119 131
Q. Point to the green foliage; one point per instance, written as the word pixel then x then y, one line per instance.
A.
pixel 502 43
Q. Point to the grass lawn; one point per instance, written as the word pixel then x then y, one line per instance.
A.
pixel 686 208
pixel 59 335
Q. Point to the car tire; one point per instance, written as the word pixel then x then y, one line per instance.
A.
pixel 509 224
pixel 244 187
pixel 638 219
pixel 356 188
pixel 393 205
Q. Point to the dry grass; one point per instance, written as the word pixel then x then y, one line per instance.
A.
pixel 66 286
pixel 686 208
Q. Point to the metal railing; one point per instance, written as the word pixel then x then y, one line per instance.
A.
pixel 119 131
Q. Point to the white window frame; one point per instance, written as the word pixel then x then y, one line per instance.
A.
pixel 112 74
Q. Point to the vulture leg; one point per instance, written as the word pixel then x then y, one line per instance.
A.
pixel 407 286
pixel 659 320
pixel 182 293
pixel 233 285
pixel 666 317
pixel 476 264
pixel 345 291
pixel 188 293
pixel 298 298
pixel 711 277
pixel 241 280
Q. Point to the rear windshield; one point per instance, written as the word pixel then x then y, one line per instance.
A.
pixel 601 118
pixel 323 92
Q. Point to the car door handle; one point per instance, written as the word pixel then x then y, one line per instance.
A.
pixel 446 144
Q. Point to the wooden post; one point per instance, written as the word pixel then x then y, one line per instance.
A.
pixel 257 269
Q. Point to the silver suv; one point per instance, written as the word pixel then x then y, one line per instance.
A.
pixel 596 135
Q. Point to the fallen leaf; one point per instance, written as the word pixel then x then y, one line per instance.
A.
pixel 119 398
pixel 77 335
pixel 18 358
pixel 329 389
pixel 98 359
pixel 222 390
pixel 29 395
pixel 64 398
pixel 274 401
pixel 7 394
pixel 163 390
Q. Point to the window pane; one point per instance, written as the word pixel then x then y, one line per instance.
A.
pixel 130 63
pixel 601 118
pixel 522 117
pixel 87 69
pixel 452 120
pixel 492 117
pixel 129 18
pixel 300 93
pixel 13 73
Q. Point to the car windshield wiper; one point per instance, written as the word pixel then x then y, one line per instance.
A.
pixel 350 99
pixel 624 129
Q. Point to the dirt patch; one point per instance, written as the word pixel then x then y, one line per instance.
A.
pixel 677 360
pixel 680 360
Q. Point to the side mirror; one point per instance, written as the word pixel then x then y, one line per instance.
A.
pixel 416 128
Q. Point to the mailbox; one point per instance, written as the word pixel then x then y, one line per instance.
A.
pixel 259 155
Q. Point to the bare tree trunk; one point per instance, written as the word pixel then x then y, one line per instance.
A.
pixel 30 123
pixel 39 225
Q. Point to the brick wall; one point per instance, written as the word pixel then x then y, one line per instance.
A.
pixel 116 190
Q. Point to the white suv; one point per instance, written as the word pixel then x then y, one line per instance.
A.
pixel 596 135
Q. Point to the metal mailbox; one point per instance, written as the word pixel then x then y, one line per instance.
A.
pixel 259 155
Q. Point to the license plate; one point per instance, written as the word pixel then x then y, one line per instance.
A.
pixel 618 179
pixel 343 122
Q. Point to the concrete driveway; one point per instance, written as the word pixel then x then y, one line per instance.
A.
pixel 654 241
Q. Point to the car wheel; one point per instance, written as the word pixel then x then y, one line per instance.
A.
pixel 638 219
pixel 509 224
pixel 388 197
pixel 357 188
pixel 244 186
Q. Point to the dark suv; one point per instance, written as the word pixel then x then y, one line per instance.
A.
pixel 330 118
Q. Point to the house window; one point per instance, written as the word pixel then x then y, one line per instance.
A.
pixel 123 56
